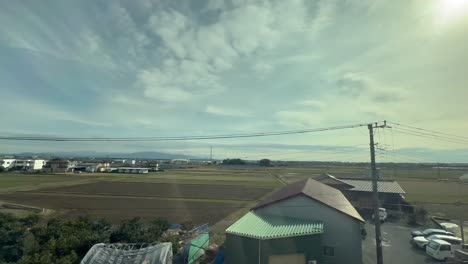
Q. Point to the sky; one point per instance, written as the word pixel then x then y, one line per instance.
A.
pixel 141 68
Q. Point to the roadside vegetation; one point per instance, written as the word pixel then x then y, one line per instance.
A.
pixel 36 239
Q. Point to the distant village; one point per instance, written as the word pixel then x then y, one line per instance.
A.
pixel 89 165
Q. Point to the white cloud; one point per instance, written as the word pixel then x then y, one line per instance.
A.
pixel 224 111
pixel 262 67
pixel 199 54
pixel 312 103
pixel 179 80
pixel 324 16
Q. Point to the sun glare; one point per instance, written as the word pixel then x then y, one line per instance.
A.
pixel 449 10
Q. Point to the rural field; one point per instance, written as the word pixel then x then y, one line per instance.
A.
pixel 196 196
pixel 212 195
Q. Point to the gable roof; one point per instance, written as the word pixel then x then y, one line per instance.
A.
pixel 332 180
pixel 382 186
pixel 261 226
pixel 314 190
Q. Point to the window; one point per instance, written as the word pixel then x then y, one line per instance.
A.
pixel 433 245
pixel 328 251
pixel 445 248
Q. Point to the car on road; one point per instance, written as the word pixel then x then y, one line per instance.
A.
pixel 431 231
pixel 422 242
pixel 440 249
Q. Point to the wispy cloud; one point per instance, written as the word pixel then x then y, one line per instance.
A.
pixel 168 67
pixel 223 111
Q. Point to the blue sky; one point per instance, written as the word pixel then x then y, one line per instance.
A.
pixel 157 68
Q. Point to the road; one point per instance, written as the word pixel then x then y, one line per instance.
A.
pixel 395 244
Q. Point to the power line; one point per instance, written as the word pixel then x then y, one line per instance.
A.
pixel 435 136
pixel 424 135
pixel 345 149
pixel 179 138
pixel 428 130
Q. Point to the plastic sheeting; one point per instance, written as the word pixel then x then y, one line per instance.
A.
pixel 129 254
pixel 197 247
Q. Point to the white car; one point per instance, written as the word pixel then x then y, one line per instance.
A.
pixel 430 232
pixel 440 249
pixel 422 241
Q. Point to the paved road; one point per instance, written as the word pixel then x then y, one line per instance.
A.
pixel 396 246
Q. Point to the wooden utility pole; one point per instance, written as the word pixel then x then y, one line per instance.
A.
pixel 375 191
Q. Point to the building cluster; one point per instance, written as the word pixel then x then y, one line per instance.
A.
pixel 60 165
pixel 22 164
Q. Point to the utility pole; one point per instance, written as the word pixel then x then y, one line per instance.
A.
pixel 378 233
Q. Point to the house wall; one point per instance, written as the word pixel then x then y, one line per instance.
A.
pixel 310 246
pixel 365 200
pixel 341 231
pixel 245 250
pixel 38 164
pixel 240 249
pixel 7 163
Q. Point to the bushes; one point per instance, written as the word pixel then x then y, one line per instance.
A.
pixel 33 239
pixel 135 231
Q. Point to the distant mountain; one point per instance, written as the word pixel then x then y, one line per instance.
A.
pixel 91 154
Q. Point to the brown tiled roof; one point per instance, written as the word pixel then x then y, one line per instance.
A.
pixel 314 190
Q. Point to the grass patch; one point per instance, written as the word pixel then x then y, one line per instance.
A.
pixel 15 182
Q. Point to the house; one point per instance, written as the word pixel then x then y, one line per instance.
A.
pixel 304 222
pixel 180 161
pixel 359 191
pixel 57 166
pixel 91 167
pixel 30 164
pixel 7 163
pixel 129 170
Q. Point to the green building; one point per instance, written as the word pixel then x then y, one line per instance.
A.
pixel 273 239
pixel 306 222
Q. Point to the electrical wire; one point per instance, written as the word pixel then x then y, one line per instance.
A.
pixel 181 138
pixel 428 130
pixel 422 132
pixel 306 151
pixel 418 134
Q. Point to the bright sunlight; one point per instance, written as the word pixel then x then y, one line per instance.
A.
pixel 449 10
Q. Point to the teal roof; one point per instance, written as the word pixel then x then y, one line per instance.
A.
pixel 259 226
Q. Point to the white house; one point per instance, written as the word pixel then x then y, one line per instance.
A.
pixel 7 163
pixel 30 164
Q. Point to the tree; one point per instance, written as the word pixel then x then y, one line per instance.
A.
pixel 265 162
pixel 136 231
pixel 34 239
pixel 233 162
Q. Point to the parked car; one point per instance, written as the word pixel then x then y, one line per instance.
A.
pixel 382 215
pixel 422 242
pixel 440 249
pixel 431 231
